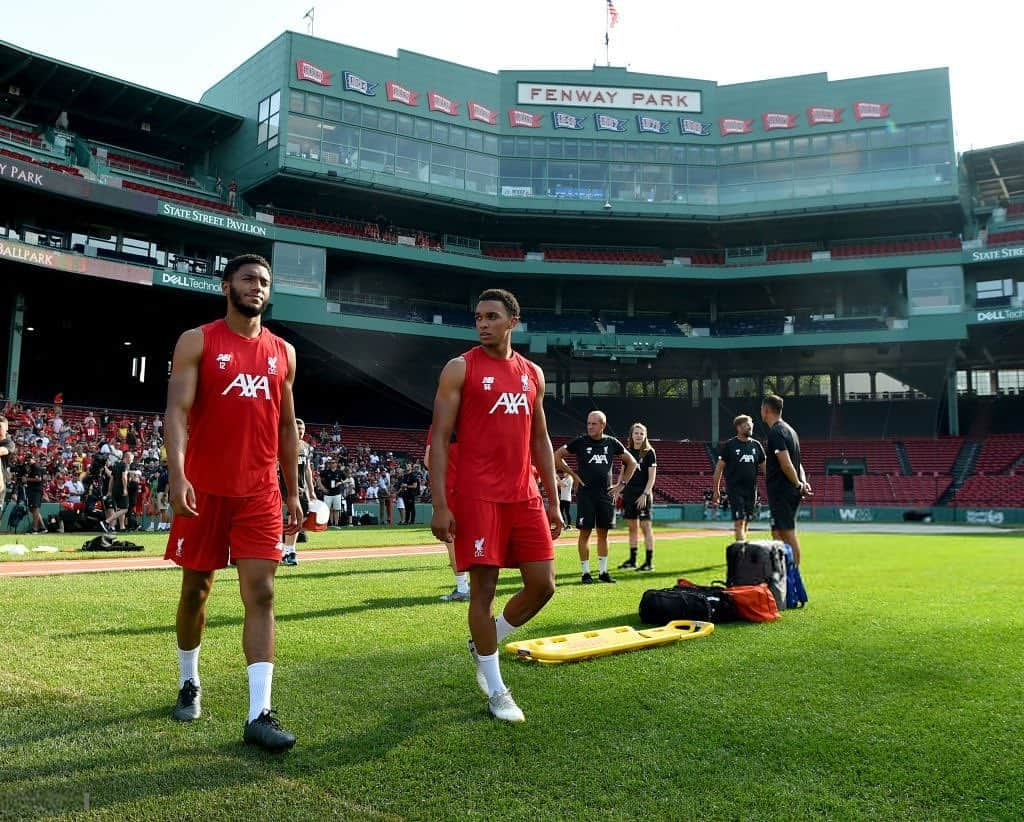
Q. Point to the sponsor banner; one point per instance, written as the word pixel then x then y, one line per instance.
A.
pixel 75 263
pixel 819 115
pixel 353 82
pixel 400 94
pixel 605 122
pixel 651 125
pixel 986 517
pixel 187 282
pixel 224 221
pixel 563 119
pixel 516 191
pixel 697 128
pixel 734 125
pixel 438 102
pixel 305 70
pixel 620 97
pixel 999 315
pixel 987 255
pixel 774 119
pixel 570 193
pixel 517 118
pixel 482 113
pixel 870 111
pixel 855 515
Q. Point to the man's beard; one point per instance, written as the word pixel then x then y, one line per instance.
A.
pixel 243 308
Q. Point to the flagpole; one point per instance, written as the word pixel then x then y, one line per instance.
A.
pixel 607 16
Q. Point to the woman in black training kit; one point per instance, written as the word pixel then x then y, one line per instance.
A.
pixel 638 497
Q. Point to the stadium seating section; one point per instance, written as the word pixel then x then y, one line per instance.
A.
pixel 503 252
pixel 1004 237
pixel 179 196
pixel 163 171
pixel 788 255
pixel 19 135
pixel 885 247
pixel 63 169
pixel 602 255
pixel 1015 210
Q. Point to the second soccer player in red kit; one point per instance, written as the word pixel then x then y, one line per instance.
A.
pixel 493 400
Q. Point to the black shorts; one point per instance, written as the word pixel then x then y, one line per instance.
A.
pixel 742 505
pixel 630 497
pixel 784 503
pixel 594 511
pixel 33 496
pixel 119 503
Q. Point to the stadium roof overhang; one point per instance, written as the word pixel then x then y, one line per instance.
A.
pixel 997 173
pixel 36 89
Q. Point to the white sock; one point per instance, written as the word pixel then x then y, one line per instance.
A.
pixel 602 565
pixel 503 627
pixel 462 583
pixel 489 665
pixel 585 565
pixel 261 675
pixel 188 666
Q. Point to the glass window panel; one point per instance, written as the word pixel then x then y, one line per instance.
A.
pixel 647 153
pixel 663 153
pixel 763 150
pixel 439 133
pixel 371 117
pixel 632 152
pixel 350 113
pixel 474 140
pixel 522 146
pixel 314 105
pixel 332 109
pixel 422 129
pixel 702 176
pixel 519 169
pixel 819 145
pixel 275 102
pixel 482 164
pixel 404 125
pixel 727 154
pixel 377 152
pixel 840 143
pixel 304 127
pixel 272 143
pixel 482 183
pixel 776 170
pixel 744 152
pixel 780 190
pixel 261 134
pixel 930 155
pixel 850 163
pixel 296 102
pixel 781 148
pixel 897 136
pixel 586 149
pixel 810 167
pixel 554 149
pixel 812 186
pixel 275 125
pixel 602 150
pixel 679 155
pixel 889 158
pixel 617 151
pixel 733 175
pixel 439 155
pixel 938 132
pixel 456 136
pixel 538 147
pixel 491 144
pixel 570 149
pixel 412 148
pixel 917 134
pixel 507 146
pixel 458 159
pixel 858 140
pixel 264 110
pixel 801 146
pixel 387 121
pixel 539 176
pixel 593 172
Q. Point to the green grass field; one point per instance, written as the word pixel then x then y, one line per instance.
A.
pixel 895 694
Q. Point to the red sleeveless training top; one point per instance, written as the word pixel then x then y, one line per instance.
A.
pixel 493 428
pixel 233 424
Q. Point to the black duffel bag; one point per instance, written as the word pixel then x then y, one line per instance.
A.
pixel 706 604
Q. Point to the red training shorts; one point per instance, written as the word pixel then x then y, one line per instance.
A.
pixel 501 534
pixel 242 527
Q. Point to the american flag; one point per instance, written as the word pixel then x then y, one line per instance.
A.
pixel 613 13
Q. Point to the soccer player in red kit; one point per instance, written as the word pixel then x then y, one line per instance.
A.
pixel 493 400
pixel 230 418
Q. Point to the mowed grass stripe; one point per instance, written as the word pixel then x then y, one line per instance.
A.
pixel 895 694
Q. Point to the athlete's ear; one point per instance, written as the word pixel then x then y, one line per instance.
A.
pixel 513 322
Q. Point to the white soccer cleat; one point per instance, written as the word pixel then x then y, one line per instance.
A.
pixel 503 707
pixel 481 680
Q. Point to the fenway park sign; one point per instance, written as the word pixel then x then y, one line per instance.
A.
pixel 620 97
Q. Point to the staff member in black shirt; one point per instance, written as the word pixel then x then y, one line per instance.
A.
pixel 34 493
pixel 7 448
pixel 638 496
pixel 333 483
pixel 740 460
pixel 594 454
pixel 784 477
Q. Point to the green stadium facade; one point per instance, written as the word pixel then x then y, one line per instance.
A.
pixel 678 246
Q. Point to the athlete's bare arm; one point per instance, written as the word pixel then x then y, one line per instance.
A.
pixel 288 446
pixel 543 456
pixel 446 412
pixel 716 481
pixel 629 468
pixel 181 393
pixel 560 462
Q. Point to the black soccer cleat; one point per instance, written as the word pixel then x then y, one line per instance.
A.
pixel 629 563
pixel 646 567
pixel 606 577
pixel 587 579
pixel 266 732
pixel 187 707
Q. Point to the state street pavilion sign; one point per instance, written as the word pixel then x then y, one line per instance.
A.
pixel 620 97
pixel 224 221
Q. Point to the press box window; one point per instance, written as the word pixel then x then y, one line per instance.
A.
pixel 269 120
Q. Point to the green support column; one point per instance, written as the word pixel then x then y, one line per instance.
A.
pixel 14 349
pixel 951 401
pixel 716 395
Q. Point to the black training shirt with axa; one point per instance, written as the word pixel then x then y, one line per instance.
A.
pixel 781 437
pixel 644 463
pixel 741 461
pixel 594 460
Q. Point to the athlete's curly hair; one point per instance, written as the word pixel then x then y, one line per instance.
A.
pixel 236 263
pixel 506 298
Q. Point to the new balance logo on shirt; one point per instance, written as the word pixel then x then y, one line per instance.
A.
pixel 249 386
pixel 511 402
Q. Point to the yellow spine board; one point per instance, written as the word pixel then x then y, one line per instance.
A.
pixel 589 644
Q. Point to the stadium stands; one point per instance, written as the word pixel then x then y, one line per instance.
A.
pixel 999 453
pixel 744 325
pixel 503 252
pixel 619 256
pixel 788 255
pixel 654 324
pixel 63 169
pixel 1004 237
pixel 932 456
pixel 19 135
pixel 806 325
pixel 179 196
pixel 137 165
pixel 568 323
pixel 884 246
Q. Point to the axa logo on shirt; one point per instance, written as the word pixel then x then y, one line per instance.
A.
pixel 746 457
pixel 249 385
pixel 598 459
pixel 511 402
